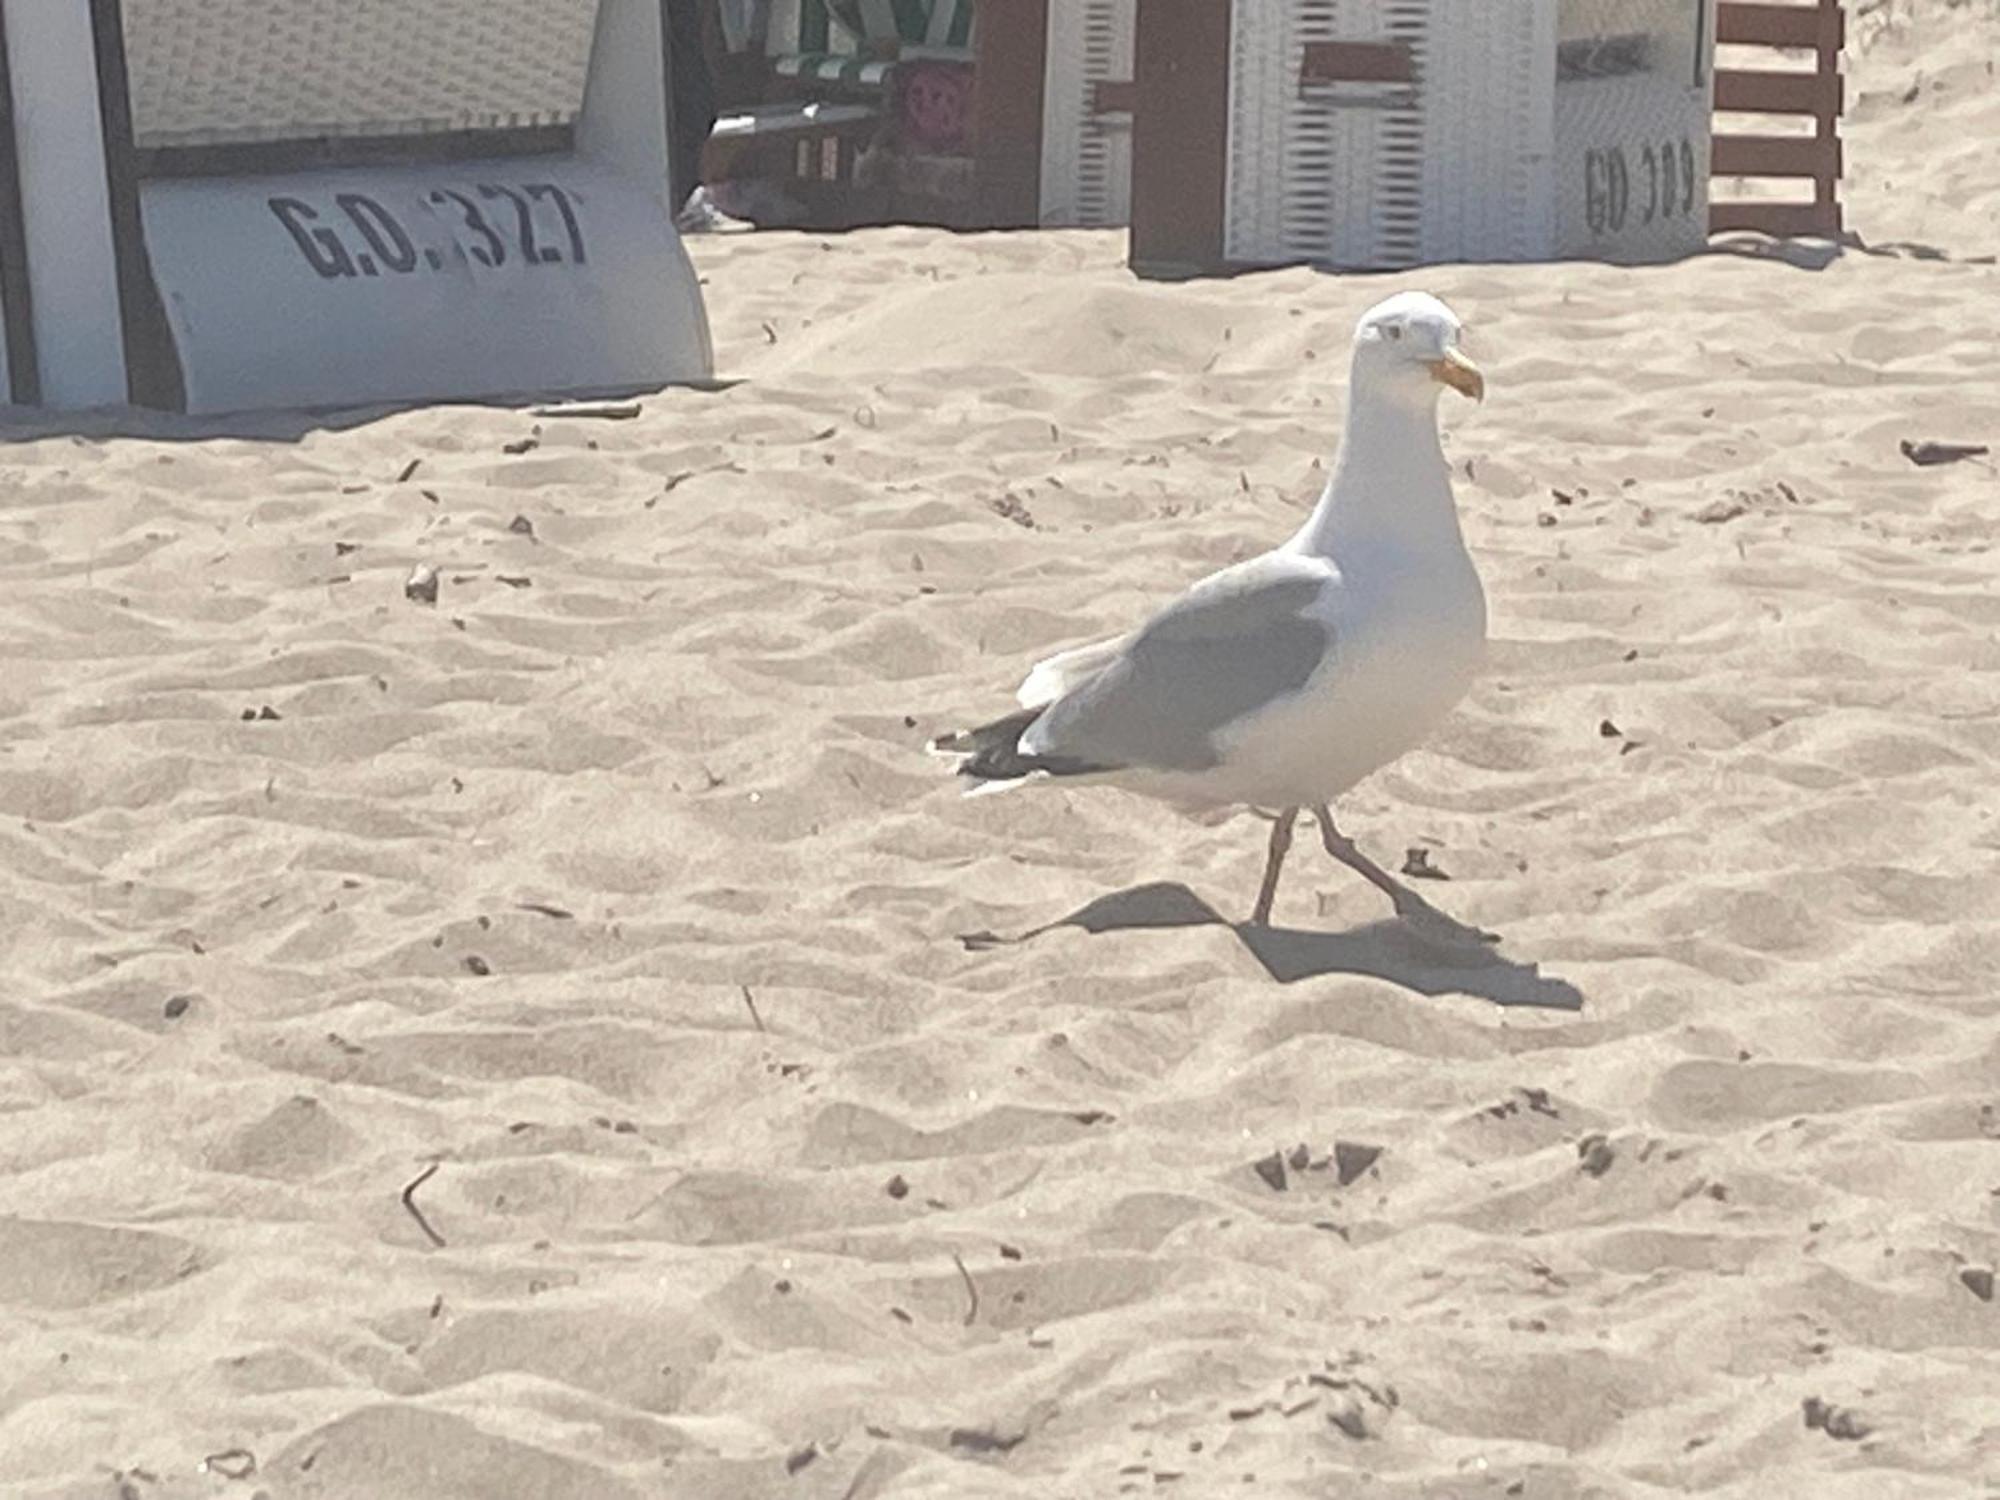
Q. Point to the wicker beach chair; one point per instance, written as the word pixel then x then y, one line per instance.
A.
pixel 833 86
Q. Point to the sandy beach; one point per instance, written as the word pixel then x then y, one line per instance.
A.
pixel 616 887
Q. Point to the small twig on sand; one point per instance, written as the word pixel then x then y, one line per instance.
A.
pixel 751 1001
pixel 971 1291
pixel 410 1202
pixel 607 411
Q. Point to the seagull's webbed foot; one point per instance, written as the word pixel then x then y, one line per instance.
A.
pixel 1412 908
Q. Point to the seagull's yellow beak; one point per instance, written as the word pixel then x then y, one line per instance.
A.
pixel 1461 374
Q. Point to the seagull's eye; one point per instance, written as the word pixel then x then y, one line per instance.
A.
pixel 1394 330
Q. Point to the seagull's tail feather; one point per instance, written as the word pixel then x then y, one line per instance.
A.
pixel 1056 675
pixel 992 755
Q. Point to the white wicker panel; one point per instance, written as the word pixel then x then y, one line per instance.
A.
pixel 1306 167
pixel 1086 157
pixel 227 71
pixel 1488 111
pixel 1601 18
pixel 1254 187
pixel 1315 143
pixel 1401 208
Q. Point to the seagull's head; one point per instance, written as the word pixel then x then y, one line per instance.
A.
pixel 1407 347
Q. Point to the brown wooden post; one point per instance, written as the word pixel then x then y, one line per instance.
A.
pixel 1826 187
pixel 1010 39
pixel 1180 136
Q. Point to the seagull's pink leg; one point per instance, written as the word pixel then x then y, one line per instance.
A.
pixel 1281 841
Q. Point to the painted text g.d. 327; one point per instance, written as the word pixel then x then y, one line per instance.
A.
pixel 488 224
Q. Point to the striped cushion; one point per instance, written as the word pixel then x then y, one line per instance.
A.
pixel 880 20
pixel 833 67
pixel 926 28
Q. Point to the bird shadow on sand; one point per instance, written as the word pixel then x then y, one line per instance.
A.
pixel 1397 951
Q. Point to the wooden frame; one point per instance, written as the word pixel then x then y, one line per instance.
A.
pixel 1819 94
pixel 1356 62
pixel 1010 44
pixel 1180 137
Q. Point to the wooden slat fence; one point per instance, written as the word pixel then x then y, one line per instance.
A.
pixel 1820 26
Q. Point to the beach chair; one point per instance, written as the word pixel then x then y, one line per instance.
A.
pixel 1374 136
pixel 838 78
pixel 1045 139
pixel 219 207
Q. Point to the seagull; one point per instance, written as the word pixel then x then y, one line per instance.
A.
pixel 1280 682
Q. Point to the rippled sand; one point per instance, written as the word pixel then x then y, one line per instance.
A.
pixel 617 885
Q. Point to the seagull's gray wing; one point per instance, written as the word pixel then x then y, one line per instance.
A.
pixel 1233 644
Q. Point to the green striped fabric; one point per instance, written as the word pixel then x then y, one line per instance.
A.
pixel 934 26
pixel 883 20
pixel 833 67
pixel 951 24
pixel 813 33
pixel 929 23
